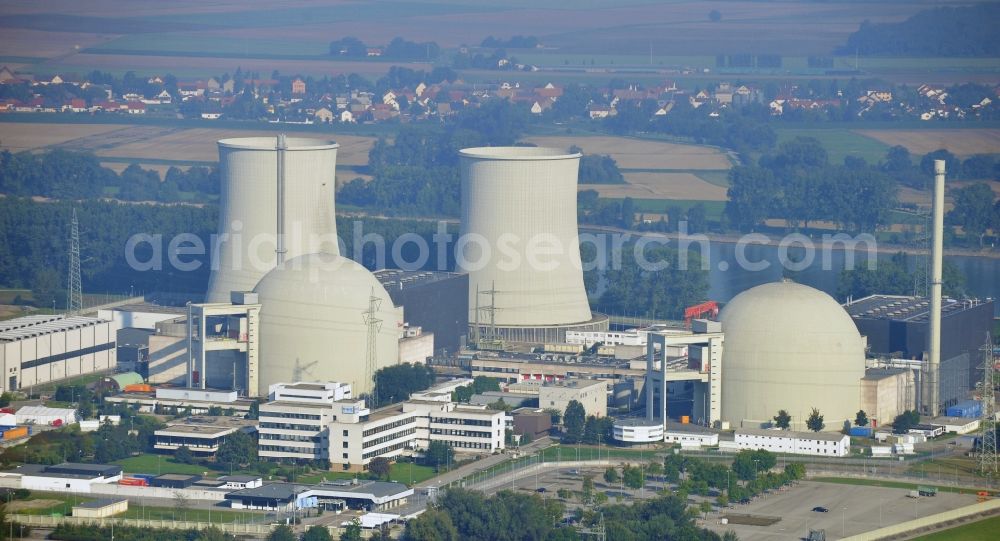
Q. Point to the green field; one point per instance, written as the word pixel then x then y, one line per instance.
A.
pixel 839 143
pixel 713 209
pixel 158 464
pixel 195 44
pixel 190 514
pixel 976 531
pixel 890 484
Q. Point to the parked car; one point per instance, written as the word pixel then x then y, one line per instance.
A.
pixel 540 490
pixel 820 509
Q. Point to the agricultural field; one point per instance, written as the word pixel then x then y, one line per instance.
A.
pixel 18 136
pixel 975 531
pixel 963 142
pixel 657 170
pixel 682 186
pixel 632 153
pixel 840 143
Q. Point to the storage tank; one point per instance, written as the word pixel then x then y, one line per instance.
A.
pixel 790 347
pixel 251 200
pixel 517 200
pixel 312 325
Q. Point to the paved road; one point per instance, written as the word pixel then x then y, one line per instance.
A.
pixel 482 464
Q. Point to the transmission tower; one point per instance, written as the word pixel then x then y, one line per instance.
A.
pixel 74 290
pixel 371 361
pixel 492 339
pixel 597 531
pixel 987 423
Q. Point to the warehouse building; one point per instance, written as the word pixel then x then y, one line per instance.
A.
pixel 438 302
pixel 175 400
pixel 897 328
pixel 369 495
pixel 42 415
pixel 67 477
pixel 45 348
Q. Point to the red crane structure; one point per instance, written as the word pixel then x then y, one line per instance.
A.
pixel 699 310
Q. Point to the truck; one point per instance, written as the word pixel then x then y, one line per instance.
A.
pixel 913 494
pixel 927 491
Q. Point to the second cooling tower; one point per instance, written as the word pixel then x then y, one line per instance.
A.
pixel 251 196
pixel 520 244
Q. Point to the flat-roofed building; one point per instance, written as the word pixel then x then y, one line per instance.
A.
pixel 201 435
pixel 239 482
pixel 67 476
pixel 799 443
pixel 593 394
pixel 463 427
pixel 168 400
pixel 368 495
pixel 101 508
pixel 887 392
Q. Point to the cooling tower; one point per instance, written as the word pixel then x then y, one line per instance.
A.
pixel 519 243
pixel 256 207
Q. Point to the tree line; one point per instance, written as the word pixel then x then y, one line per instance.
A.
pixel 797 183
pixel 66 174
pixel 940 31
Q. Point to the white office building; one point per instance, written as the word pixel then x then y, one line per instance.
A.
pixel 306 423
pixel 691 438
pixel 799 443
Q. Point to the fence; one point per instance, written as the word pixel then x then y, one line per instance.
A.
pixel 990 507
pixel 45 521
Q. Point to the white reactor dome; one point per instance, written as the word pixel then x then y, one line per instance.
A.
pixel 791 347
pixel 312 322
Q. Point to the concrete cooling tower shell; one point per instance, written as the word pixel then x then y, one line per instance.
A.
pixel 249 208
pixel 791 347
pixel 515 199
pixel 312 325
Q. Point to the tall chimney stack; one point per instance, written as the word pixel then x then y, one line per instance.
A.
pixel 934 334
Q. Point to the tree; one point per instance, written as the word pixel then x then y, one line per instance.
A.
pixel 352 532
pixel 861 419
pixel 747 464
pixel 184 455
pixel 611 475
pixel 432 525
pixel 380 467
pixel 5 399
pixel 782 420
pixel 587 488
pixel 973 210
pixel 751 196
pixel 238 449
pixel 213 534
pixel 317 533
pixel 905 421
pixel 438 454
pixel 574 419
pixel 815 421
pixel 632 476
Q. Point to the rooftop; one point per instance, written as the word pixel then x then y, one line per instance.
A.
pixel 199 430
pixel 151 308
pixel 20 328
pixel 400 279
pixel 240 478
pixel 903 308
pixel 945 420
pixel 177 477
pixel 882 373
pixel 824 436
pixel 99 503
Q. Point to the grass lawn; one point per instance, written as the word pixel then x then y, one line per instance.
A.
pixel 158 464
pixel 976 531
pixel 198 515
pixel 839 142
pixel 403 472
pixel 890 484
pixel 63 507
pixel 586 452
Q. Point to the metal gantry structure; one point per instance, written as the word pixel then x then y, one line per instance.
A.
pixel 374 325
pixel 987 423
pixel 74 289
pixel 492 340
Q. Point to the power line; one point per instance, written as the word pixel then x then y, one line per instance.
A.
pixel 74 290
pixel 374 325
pixel 987 423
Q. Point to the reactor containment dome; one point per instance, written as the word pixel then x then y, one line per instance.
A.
pixel 520 244
pixel 271 185
pixel 790 347
pixel 313 322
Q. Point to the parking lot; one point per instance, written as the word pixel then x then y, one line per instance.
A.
pixel 852 510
